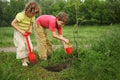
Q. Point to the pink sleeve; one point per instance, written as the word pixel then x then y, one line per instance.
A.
pixel 59 30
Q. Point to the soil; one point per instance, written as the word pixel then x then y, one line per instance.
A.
pixel 8 49
pixel 60 67
pixel 56 68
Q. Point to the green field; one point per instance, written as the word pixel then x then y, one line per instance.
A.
pixel 98 56
pixel 87 34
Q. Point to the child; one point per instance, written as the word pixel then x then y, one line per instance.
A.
pixel 23 23
pixel 52 23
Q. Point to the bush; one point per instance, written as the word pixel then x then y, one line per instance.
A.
pixel 101 62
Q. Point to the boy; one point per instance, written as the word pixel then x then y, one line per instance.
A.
pixel 52 23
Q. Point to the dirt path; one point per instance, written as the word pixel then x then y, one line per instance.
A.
pixel 13 49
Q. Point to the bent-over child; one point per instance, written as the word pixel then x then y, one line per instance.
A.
pixel 51 23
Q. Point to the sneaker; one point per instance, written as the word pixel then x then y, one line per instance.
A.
pixel 24 64
pixel 28 61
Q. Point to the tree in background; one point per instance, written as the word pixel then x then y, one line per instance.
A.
pixel 2 15
pixel 114 7
pixel 90 12
pixel 13 8
pixel 9 10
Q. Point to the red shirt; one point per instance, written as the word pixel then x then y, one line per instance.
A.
pixel 50 22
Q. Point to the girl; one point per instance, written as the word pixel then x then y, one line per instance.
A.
pixel 23 23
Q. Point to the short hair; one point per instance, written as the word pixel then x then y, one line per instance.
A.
pixel 32 7
pixel 62 16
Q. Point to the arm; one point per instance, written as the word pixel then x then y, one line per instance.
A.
pixel 14 24
pixel 31 25
pixel 30 28
pixel 63 43
pixel 60 37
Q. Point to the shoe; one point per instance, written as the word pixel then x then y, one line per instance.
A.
pixel 28 61
pixel 24 64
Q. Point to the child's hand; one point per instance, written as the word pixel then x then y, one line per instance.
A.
pixel 27 33
pixel 23 32
pixel 66 41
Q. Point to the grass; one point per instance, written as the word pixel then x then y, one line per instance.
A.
pixel 86 34
pixel 11 69
pixel 98 57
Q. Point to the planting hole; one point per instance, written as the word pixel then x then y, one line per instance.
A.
pixel 56 68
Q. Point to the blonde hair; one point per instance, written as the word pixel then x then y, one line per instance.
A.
pixel 32 7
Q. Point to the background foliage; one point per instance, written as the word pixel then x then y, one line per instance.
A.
pixel 88 11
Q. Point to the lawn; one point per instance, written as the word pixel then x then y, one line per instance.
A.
pixel 86 34
pixel 97 57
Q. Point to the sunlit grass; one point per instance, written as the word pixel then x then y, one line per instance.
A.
pixel 98 57
pixel 86 34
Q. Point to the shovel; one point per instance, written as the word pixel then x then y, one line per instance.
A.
pixel 68 49
pixel 31 55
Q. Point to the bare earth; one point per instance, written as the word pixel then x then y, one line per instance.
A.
pixel 13 49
